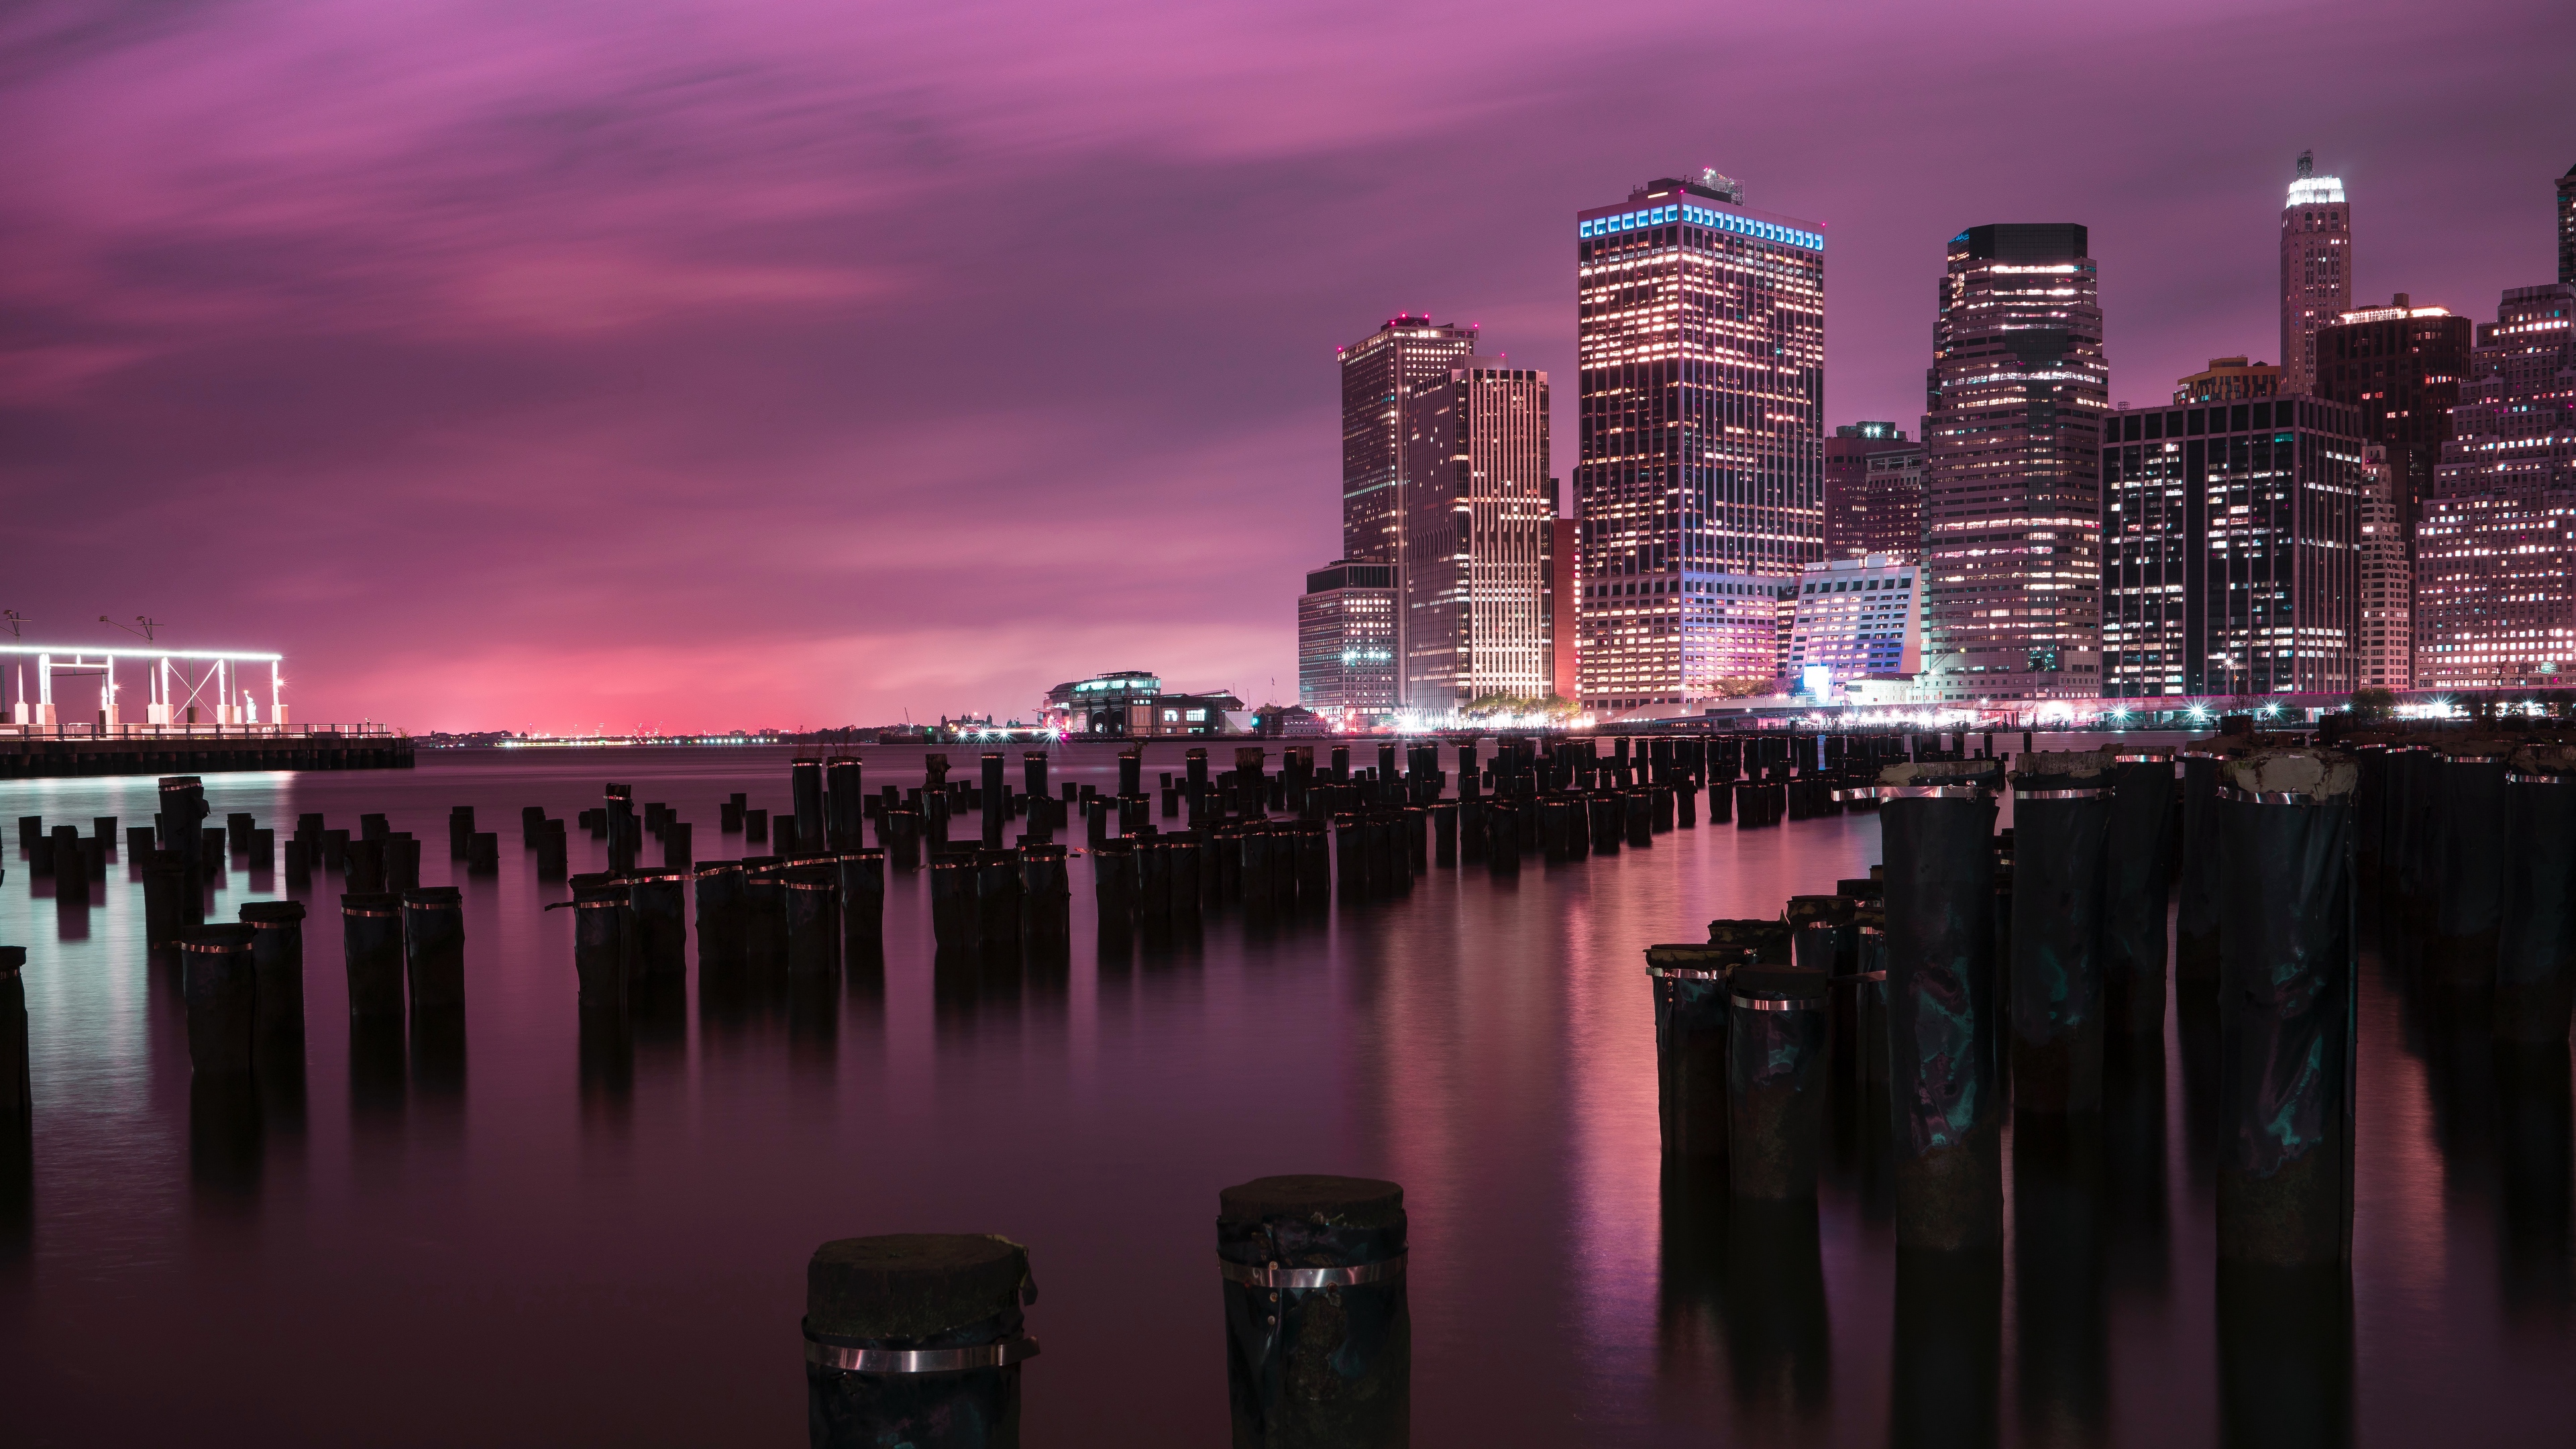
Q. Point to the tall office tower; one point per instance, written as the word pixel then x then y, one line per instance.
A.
pixel 1873 493
pixel 1383 376
pixel 2012 482
pixel 1478 500
pixel 2316 270
pixel 1346 664
pixel 2402 365
pixel 2387 654
pixel 1700 483
pixel 2567 227
pixel 2495 545
pixel 2229 379
pixel 2230 536
pixel 1565 584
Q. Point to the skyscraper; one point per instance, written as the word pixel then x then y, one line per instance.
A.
pixel 2012 483
pixel 1478 502
pixel 2495 546
pixel 2567 227
pixel 2316 270
pixel 1565 584
pixel 1700 481
pixel 2402 366
pixel 2230 539
pixel 1383 374
pixel 1873 493
pixel 1346 664
pixel 2387 654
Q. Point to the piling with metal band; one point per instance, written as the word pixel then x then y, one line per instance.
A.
pixel 460 826
pixel 900 832
pixel 2135 870
pixel 2468 865
pixel 2286 1009
pixel 17 1080
pixel 1502 835
pixel 844 804
pixel 1314 863
pixel 1113 885
pixel 434 946
pixel 1046 896
pixel 1386 868
pixel 916 1339
pixel 1318 1330
pixel 721 911
pixel 805 796
pixel 168 895
pixel 658 949
pixel 221 985
pixel 952 901
pixel 2196 909
pixel 2062 807
pixel 277 965
pixel 1690 986
pixel 601 913
pixel 1153 881
pixel 1131 773
pixel 1869 999
pixel 1189 864
pixel 813 919
pixel 1444 832
pixel 1771 942
pixel 1096 821
pixel 1936 822
pixel 1350 857
pixel 2536 935
pixel 183 805
pixel 861 875
pixel 997 897
pixel 1775 1088
pixel 996 801
pixel 371 943
pixel 363 862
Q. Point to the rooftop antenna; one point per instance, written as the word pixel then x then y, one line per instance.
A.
pixel 13 619
pixel 144 633
pixel 2307 164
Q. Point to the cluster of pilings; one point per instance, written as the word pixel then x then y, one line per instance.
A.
pixel 919 1338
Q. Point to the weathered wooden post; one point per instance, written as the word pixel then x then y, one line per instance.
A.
pixel 719 888
pixel 997 897
pixel 952 901
pixel 371 945
pixel 1318 1332
pixel 1046 896
pixel 2196 909
pixel 813 920
pixel 1690 984
pixel 222 989
pixel 363 864
pixel 277 966
pixel 2062 810
pixel 17 1080
pixel 1937 822
pixel 2286 1009
pixel 916 1339
pixel 600 911
pixel 863 887
pixel 2468 864
pixel 805 788
pixel 434 947
pixel 1113 885
pixel 679 846
pixel 844 804
pixel 460 824
pixel 657 903
pixel 2137 853
pixel 2536 934
pixel 1775 1087
pixel 995 812
pixel 764 913
pixel 553 852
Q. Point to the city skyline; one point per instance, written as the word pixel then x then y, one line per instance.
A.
pixel 484 419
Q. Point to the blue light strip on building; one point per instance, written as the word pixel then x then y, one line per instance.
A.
pixel 1701 216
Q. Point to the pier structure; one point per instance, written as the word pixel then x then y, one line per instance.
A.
pixel 181 686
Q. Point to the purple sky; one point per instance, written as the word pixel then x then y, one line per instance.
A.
pixel 513 365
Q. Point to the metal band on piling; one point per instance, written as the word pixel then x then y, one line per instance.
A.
pixel 2096 792
pixel 852 1360
pixel 1916 792
pixel 2267 797
pixel 1764 1003
pixel 346 911
pixel 1271 1275
pixel 1685 973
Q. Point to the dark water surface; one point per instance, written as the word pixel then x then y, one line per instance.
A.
pixel 541 1240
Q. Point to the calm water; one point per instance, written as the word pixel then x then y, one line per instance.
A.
pixel 549 1241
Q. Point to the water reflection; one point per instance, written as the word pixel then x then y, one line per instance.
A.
pixel 1778 1344
pixel 2057 1246
pixel 2137 1223
pixel 224 1140
pixel 1943 1384
pixel 2536 1150
pixel 2284 1357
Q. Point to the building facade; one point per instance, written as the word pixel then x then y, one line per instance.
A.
pixel 2231 539
pixel 2012 484
pixel 2495 546
pixel 1384 376
pixel 2402 366
pixel 2316 270
pixel 2386 658
pixel 1565 582
pixel 1104 704
pixel 1699 486
pixel 1873 492
pixel 1346 642
pixel 2229 379
pixel 2567 227
pixel 1853 618
pixel 1475 576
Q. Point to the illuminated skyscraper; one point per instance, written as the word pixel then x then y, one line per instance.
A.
pixel 2012 483
pixel 1383 377
pixel 1346 665
pixel 1700 482
pixel 2316 270
pixel 2231 538
pixel 1479 503
pixel 2495 545
pixel 2402 366
pixel 2387 654
pixel 1873 493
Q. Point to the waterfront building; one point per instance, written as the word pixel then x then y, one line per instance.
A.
pixel 2229 379
pixel 1853 618
pixel 1384 377
pixel 1346 641
pixel 2386 658
pixel 1475 575
pixel 1565 583
pixel 2316 270
pixel 2402 366
pixel 2012 487
pixel 1873 492
pixel 1699 486
pixel 1103 705
pixel 2495 545
pixel 2231 535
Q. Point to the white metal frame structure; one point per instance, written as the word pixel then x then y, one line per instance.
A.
pixel 184 688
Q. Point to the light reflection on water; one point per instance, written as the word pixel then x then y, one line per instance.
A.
pixel 551 1230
